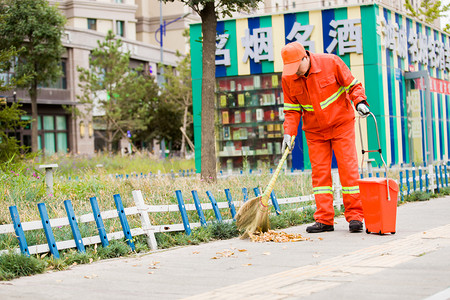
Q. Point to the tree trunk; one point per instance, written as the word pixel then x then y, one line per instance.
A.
pixel 109 135
pixel 208 156
pixel 183 139
pixel 34 116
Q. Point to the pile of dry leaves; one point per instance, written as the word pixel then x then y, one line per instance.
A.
pixel 277 237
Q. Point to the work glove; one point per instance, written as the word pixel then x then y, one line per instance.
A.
pixel 287 140
pixel 362 109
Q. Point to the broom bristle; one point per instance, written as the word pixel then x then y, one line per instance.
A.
pixel 252 217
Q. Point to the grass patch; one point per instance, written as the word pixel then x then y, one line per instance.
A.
pixel 13 265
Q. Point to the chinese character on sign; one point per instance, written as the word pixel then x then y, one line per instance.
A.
pixel 447 58
pixel 390 35
pixel 258 46
pixel 302 33
pixel 402 46
pixel 413 47
pixel 432 53
pixel 441 56
pixel 347 35
pixel 220 51
pixel 423 48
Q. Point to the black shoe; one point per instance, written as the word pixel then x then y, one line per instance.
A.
pixel 319 227
pixel 355 226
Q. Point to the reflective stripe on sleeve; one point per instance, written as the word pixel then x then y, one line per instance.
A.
pixel 289 106
pixel 354 82
pixel 307 107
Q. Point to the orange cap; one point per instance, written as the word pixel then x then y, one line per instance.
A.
pixel 292 55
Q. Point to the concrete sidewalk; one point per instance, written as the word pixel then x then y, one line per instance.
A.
pixel 412 264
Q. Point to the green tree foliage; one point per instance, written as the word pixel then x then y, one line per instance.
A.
pixel 10 113
pixel 36 27
pixel 123 95
pixel 429 10
pixel 178 90
pixel 209 11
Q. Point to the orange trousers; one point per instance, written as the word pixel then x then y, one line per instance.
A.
pixel 320 154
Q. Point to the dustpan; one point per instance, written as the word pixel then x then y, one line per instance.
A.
pixel 378 195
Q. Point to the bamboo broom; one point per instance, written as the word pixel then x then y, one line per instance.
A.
pixel 253 216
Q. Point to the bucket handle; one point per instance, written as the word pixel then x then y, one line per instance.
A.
pixel 378 150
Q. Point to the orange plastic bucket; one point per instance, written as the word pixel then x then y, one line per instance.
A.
pixel 380 213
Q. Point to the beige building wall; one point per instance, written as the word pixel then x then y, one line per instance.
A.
pixel 148 23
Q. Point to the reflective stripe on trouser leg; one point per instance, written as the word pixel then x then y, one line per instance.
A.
pixel 320 157
pixel 345 151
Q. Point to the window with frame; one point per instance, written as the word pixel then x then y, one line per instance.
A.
pixel 92 24
pixel 60 83
pixel 53 134
pixel 120 28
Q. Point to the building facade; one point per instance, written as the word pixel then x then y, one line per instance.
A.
pixel 402 63
pixel 87 22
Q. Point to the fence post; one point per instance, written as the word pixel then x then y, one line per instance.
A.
pixel 275 202
pixel 214 206
pixel 182 208
pixel 420 179
pixel 230 203
pixel 427 179
pixel 407 181
pixel 145 220
pixel 437 178
pixel 99 222
pixel 446 177
pixel 48 230
pixel 74 226
pixel 124 221
pixel 245 193
pixel 440 174
pixel 198 206
pixel 414 179
pixel 401 185
pixel 19 230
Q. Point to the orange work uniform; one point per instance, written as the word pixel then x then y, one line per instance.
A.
pixel 322 99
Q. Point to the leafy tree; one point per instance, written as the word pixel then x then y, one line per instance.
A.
pixel 178 89
pixel 123 95
pixel 429 10
pixel 164 123
pixel 37 28
pixel 10 115
pixel 209 11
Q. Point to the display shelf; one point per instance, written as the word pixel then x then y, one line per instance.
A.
pixel 250 116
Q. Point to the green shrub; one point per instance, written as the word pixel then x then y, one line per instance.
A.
pixel 223 231
pixel 291 218
pixel 14 265
pixel 417 196
pixel 115 249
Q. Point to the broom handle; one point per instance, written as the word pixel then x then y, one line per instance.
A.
pixel 269 188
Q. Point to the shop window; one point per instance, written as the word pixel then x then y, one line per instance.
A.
pixel 92 24
pixel 250 110
pixel 120 28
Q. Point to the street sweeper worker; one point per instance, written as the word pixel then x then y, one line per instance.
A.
pixel 319 89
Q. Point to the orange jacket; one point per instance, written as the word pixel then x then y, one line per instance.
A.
pixel 322 98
